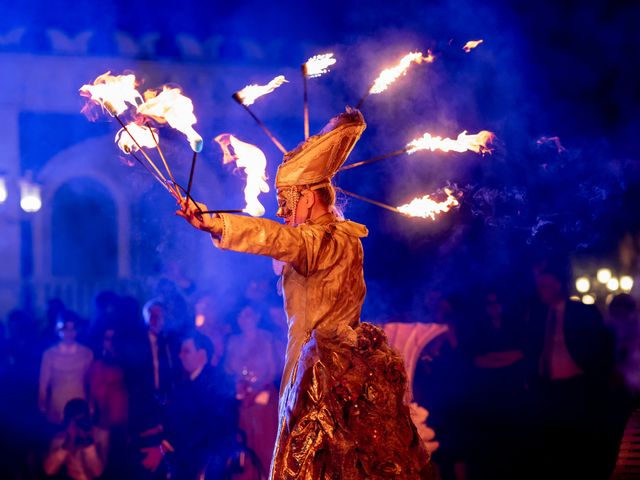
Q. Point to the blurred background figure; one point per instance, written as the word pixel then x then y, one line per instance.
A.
pixel 252 362
pixel 570 355
pixel 109 402
pixel 497 382
pixel 199 424
pixel 441 385
pixel 79 452
pixel 64 370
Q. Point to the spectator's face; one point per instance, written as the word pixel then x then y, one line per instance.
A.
pixel 549 289
pixel 248 319
pixel 191 358
pixel 67 331
pixel 155 319
pixel 107 341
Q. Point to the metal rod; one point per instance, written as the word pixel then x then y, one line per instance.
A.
pixel 164 160
pixel 146 167
pixel 223 211
pixel 306 101
pixel 374 159
pixel 364 97
pixel 193 166
pixel 368 200
pixel 237 98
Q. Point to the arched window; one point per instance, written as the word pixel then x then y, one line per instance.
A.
pixel 84 231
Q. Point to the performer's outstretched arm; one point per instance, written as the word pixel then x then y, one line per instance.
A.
pixel 299 246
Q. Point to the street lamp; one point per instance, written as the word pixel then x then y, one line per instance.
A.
pixel 603 275
pixel 613 284
pixel 583 284
pixel 30 199
pixel 626 283
pixel 3 190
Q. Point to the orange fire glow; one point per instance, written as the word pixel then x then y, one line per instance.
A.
pixel 427 207
pixel 143 135
pixel 253 161
pixel 170 106
pixel 249 94
pixel 113 92
pixel 471 44
pixel 474 142
pixel 319 65
pixel 390 75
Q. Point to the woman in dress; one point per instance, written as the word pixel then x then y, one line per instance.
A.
pixel 341 410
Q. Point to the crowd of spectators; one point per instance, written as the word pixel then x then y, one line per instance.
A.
pixel 515 388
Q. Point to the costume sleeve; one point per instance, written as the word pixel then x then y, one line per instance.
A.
pixel 300 246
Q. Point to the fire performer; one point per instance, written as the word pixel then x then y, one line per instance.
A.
pixel 342 413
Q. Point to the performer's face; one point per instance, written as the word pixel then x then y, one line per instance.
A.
pixel 288 199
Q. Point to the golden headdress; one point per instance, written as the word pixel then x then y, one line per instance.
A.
pixel 319 158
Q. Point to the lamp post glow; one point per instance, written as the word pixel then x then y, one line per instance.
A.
pixel 3 190
pixel 626 283
pixel 583 284
pixel 588 299
pixel 603 275
pixel 30 200
pixel 613 284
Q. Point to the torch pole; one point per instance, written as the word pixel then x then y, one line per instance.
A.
pixel 306 101
pixel 164 160
pixel 153 174
pixel 368 200
pixel 193 166
pixel 364 97
pixel 374 159
pixel 223 211
pixel 237 98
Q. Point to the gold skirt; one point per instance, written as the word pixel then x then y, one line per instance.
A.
pixel 344 416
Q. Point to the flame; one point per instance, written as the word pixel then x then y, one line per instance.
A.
pixel 170 106
pixel 113 92
pixel 427 207
pixel 390 75
pixel 474 142
pixel 249 94
pixel 471 44
pixel 254 162
pixel 319 65
pixel 143 135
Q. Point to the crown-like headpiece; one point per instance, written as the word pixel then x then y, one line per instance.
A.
pixel 318 158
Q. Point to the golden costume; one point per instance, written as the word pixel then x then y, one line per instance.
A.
pixel 341 414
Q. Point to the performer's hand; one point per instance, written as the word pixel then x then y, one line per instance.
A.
pixel 191 213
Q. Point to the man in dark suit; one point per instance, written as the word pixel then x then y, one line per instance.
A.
pixel 569 354
pixel 200 422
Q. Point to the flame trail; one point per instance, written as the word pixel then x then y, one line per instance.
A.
pixel 170 106
pixel 113 92
pixel 477 143
pixel 474 142
pixel 318 65
pixel 253 161
pixel 427 207
pixel 390 75
pixel 143 138
pixel 471 44
pixel 249 94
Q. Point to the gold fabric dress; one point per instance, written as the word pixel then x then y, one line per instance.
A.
pixel 341 413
